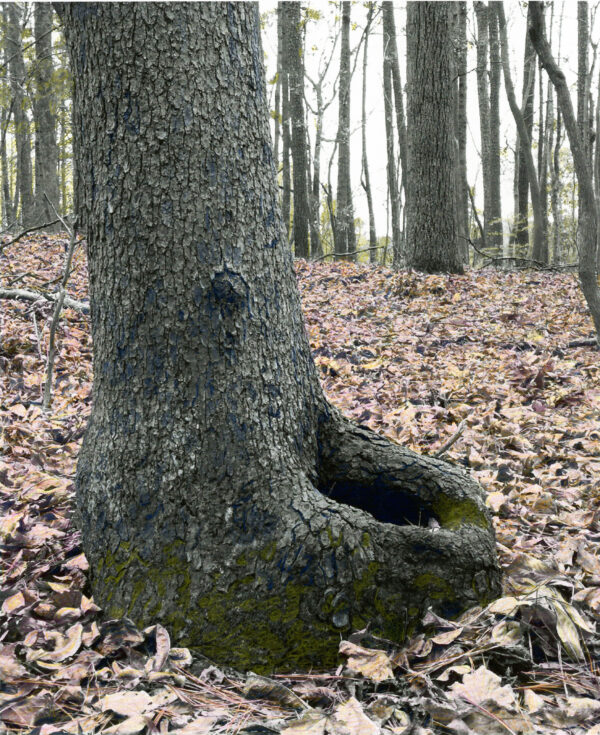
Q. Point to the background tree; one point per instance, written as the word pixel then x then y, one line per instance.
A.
pixel 460 130
pixel 295 68
pixel 344 235
pixel 365 177
pixel 588 223
pixel 18 75
pixel 431 221
pixel 217 490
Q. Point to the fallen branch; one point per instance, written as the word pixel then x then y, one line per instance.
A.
pixel 22 294
pixel 344 255
pixel 454 438
pixel 26 232
pixel 591 342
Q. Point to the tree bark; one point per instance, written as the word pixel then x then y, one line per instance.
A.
pixel 525 142
pixel 588 225
pixel 462 196
pixel 522 171
pixel 366 179
pixel 431 221
pixel 496 231
pixel 286 176
pixel 217 491
pixel 344 235
pixel 388 105
pixel 47 195
pixel 22 134
pixel 391 49
pixel 295 67
pixel 482 13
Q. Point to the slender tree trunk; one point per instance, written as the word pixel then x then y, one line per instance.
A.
pixel 47 193
pixel 461 128
pixel 295 66
pixel 525 142
pixel 8 209
pixel 366 179
pixel 496 232
pixel 277 140
pixel 588 225
pixel 482 13
pixel 523 182
pixel 344 236
pixel 391 48
pixel 316 178
pixel 388 103
pixel 431 217
pixel 217 491
pixel 556 189
pixel 22 134
pixel 541 256
pixel 286 197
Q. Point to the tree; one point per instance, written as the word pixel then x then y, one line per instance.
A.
pixel 295 68
pixel 286 196
pixel 344 235
pixel 365 176
pixel 525 141
pixel 46 151
pixel 482 14
pixel 431 216
pixel 22 133
pixel 496 234
pixel 460 123
pixel 218 492
pixel 388 104
pixel 588 222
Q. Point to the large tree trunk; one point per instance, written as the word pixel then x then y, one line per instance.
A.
pixel 217 491
pixel 588 223
pixel 22 134
pixel 46 151
pixel 344 235
pixel 431 217
pixel 295 66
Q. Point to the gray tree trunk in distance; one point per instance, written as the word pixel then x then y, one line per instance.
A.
pixel 521 224
pixel 22 134
pixel 295 66
pixel 217 490
pixel 460 87
pixel 525 142
pixel 388 106
pixel 344 235
pixel 496 234
pixel 431 216
pixel 366 179
pixel 482 13
pixel 286 138
pixel 588 224
pixel 46 150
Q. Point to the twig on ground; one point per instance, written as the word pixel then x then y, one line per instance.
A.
pixel 454 438
pixel 27 231
pixel 343 255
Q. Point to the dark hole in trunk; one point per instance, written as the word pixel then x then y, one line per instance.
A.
pixel 383 503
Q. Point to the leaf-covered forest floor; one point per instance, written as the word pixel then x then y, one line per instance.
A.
pixel 412 356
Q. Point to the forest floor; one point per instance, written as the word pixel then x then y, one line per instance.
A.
pixel 413 357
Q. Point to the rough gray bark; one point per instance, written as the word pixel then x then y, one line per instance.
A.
pixel 344 235
pixel 525 141
pixel 46 150
pixel 431 218
pixel 22 134
pixel 388 105
pixel 277 136
pixel 295 66
pixel 541 256
pixel 217 490
pixel 366 179
pixel 588 224
pixel 521 224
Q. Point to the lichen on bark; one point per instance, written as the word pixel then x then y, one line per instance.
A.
pixel 210 481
